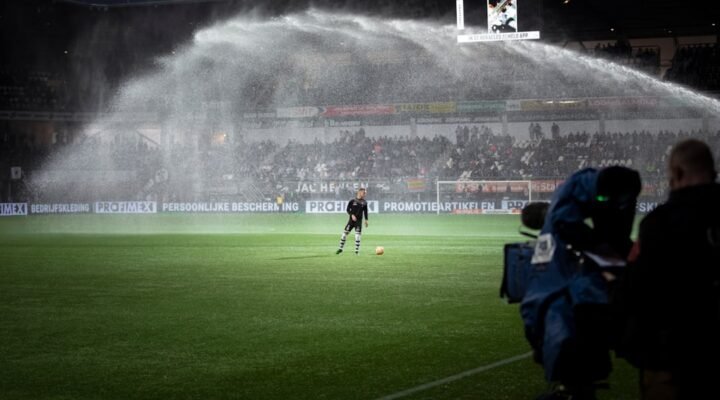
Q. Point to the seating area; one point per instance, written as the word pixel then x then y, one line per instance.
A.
pixel 476 153
pixel 697 66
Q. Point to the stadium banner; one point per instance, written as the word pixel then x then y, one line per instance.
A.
pixel 552 105
pixel 513 204
pixel 498 37
pixel 342 123
pixel 556 115
pixel 113 177
pixel 488 118
pixel 481 106
pixel 342 111
pixel 229 207
pixel 491 187
pixel 61 208
pixel 654 189
pixel 512 105
pixel 429 121
pixel 624 102
pixel 426 108
pixel 125 207
pixel 298 112
pixel 13 209
pixel 416 184
pixel 545 185
pixel 311 207
pixel 329 186
pixel 488 212
pixel 432 206
pixel 259 115
pixel 457 120
pixel 674 102
pixel 335 206
pixel 646 206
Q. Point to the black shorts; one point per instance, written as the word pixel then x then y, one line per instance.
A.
pixel 357 225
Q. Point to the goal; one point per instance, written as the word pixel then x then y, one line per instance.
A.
pixel 482 197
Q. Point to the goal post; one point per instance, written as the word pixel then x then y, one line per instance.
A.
pixel 482 197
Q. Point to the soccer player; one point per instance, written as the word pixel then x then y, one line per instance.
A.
pixel 356 208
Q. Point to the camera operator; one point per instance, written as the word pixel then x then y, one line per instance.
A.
pixel 671 292
pixel 565 306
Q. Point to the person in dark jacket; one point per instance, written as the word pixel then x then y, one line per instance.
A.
pixel 356 209
pixel 672 288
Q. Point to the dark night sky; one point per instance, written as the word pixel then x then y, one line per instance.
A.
pixel 117 41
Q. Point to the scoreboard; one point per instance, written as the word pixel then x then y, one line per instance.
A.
pixel 498 20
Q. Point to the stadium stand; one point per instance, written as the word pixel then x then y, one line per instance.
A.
pixel 697 66
pixel 31 90
pixel 477 153
pixel 51 85
pixel 642 58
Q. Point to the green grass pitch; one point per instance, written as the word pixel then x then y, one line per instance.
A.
pixel 259 307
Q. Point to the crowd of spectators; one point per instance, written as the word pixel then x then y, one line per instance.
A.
pixel 79 169
pixel 490 156
pixel 16 150
pixel 646 59
pixel 355 155
pixel 476 153
pixel 696 66
pixel 35 90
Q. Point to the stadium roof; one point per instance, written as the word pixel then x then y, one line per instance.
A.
pixel 131 3
pixel 585 19
pixel 572 19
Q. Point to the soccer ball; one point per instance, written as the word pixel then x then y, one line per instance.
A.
pixel 379 250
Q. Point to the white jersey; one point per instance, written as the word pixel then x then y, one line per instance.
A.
pixel 503 15
pixel 510 14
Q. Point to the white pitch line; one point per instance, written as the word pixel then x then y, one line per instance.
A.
pixel 455 377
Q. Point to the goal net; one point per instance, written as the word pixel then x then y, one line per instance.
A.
pixel 482 197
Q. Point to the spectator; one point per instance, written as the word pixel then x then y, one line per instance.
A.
pixel 673 288
pixel 697 66
pixel 555 131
